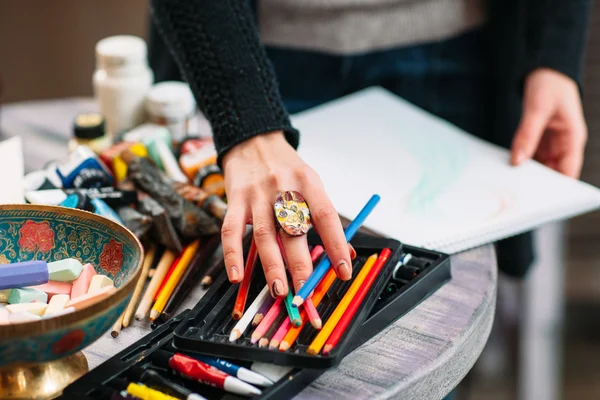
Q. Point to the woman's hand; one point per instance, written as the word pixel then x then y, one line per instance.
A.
pixel 255 171
pixel 552 129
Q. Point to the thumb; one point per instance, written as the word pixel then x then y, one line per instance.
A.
pixel 529 133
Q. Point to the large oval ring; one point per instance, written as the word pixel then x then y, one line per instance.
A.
pixel 292 213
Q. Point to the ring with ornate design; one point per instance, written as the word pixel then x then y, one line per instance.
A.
pixel 292 213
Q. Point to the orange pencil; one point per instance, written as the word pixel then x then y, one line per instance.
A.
pixel 342 325
pixel 319 341
pixel 242 295
pixel 317 296
pixel 166 278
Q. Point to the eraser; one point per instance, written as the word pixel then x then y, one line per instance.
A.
pixel 27 295
pixel 4 295
pixel 82 284
pixel 98 282
pixel 66 270
pixel 34 308
pixel 28 273
pixel 15 318
pixel 57 304
pixel 53 288
pixel 4 315
pixel 88 299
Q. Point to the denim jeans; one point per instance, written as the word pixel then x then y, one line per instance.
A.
pixel 447 78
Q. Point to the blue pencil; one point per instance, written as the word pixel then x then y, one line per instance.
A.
pixel 241 373
pixel 325 263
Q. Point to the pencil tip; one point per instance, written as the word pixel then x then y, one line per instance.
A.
pixel 311 351
pixel 254 338
pixel 206 281
pixel 236 315
pixel 114 334
pixel 317 324
pixel 274 344
pixel 263 342
pixel 297 302
pixel 153 315
pixel 327 349
pixel 235 335
pixel 297 322
pixel 284 346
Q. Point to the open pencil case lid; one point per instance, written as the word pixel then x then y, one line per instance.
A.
pixel 206 329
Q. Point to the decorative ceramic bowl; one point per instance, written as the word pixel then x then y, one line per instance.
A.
pixel 33 232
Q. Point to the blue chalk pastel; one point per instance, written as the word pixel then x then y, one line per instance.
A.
pixel 27 273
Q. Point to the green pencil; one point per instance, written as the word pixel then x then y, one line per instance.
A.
pixel 292 311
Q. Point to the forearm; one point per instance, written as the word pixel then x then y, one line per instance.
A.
pixel 218 50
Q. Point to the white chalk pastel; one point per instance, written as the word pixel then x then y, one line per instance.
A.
pixel 66 270
pixel 34 308
pixel 4 315
pixel 64 311
pixel 98 282
pixel 57 303
pixel 15 318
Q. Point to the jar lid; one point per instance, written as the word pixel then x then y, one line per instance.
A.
pixel 88 126
pixel 119 51
pixel 170 99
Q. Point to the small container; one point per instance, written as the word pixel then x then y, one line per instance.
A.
pixel 201 154
pixel 171 104
pixel 88 130
pixel 82 169
pixel 121 81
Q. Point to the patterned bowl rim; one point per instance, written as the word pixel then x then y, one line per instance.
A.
pixel 44 326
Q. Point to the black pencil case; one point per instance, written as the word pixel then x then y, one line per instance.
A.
pixel 398 297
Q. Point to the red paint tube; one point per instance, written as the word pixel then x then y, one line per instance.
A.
pixel 196 370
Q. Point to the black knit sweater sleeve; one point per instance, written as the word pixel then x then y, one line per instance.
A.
pixel 218 50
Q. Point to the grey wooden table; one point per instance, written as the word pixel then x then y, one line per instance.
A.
pixel 424 355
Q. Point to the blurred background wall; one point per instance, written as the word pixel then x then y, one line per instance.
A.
pixel 47 51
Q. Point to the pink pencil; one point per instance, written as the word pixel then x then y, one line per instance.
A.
pixel 267 321
pixel 280 334
pixel 316 253
pixel 313 315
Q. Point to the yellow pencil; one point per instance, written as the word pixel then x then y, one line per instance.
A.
pixel 167 290
pixel 319 341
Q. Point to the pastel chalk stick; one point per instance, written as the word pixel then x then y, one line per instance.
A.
pixel 27 295
pixel 15 318
pixel 4 315
pixel 28 273
pixel 91 298
pixel 66 270
pixel 4 295
pixel 64 311
pixel 53 288
pixel 82 284
pixel 34 308
pixel 57 303
pixel 98 282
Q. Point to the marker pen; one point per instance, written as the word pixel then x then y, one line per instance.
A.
pixel 145 393
pixel 241 373
pixel 156 381
pixel 203 373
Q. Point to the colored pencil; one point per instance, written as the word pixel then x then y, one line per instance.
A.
pixel 266 338
pixel 168 275
pixel 183 264
pixel 243 323
pixel 161 270
pixel 263 310
pixel 189 280
pixel 239 372
pixel 316 252
pixel 343 323
pixel 116 329
pixel 312 313
pixel 318 342
pixel 139 286
pixel 325 263
pixel 242 294
pixel 316 298
pixel 280 334
pixel 268 320
pixel 293 312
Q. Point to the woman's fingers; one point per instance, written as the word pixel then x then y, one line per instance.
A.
pixel 297 258
pixel 232 232
pixel 265 236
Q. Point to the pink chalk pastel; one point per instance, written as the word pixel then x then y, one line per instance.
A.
pixel 89 299
pixel 54 287
pixel 81 284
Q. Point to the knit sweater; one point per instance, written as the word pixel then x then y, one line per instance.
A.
pixel 355 26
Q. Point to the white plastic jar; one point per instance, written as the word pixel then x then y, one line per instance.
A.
pixel 121 81
pixel 172 105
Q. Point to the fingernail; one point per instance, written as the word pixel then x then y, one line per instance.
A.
pixel 277 288
pixel 301 283
pixel 344 271
pixel 233 274
pixel 519 157
pixel 352 252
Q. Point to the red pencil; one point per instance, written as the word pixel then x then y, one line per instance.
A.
pixel 343 323
pixel 167 276
pixel 316 253
pixel 313 314
pixel 242 295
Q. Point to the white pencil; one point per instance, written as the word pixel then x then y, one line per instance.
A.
pixel 239 328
